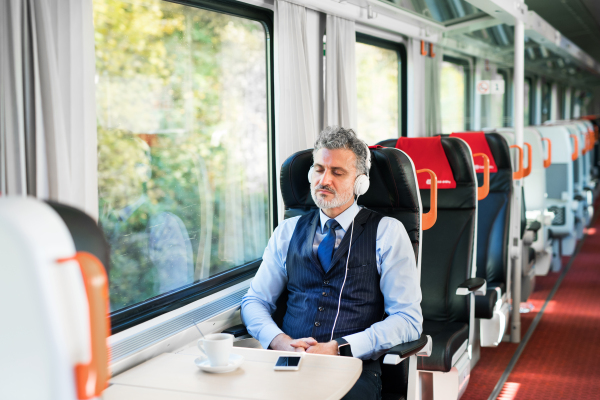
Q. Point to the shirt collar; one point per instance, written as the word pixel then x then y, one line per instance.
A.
pixel 344 219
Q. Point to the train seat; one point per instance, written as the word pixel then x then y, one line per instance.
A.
pixel 493 214
pixel 560 198
pixel 447 264
pixel 534 176
pixel 580 198
pixel 62 304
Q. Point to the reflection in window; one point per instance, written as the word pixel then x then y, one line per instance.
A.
pixel 377 89
pixel 453 97
pixel 182 144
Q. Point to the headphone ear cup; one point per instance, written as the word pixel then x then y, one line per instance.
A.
pixel 310 173
pixel 361 185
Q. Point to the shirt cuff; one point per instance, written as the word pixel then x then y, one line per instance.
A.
pixel 267 334
pixel 360 344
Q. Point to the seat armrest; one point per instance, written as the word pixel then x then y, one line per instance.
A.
pixel 478 286
pixel 420 347
pixel 237 330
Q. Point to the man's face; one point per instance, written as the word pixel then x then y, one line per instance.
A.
pixel 333 178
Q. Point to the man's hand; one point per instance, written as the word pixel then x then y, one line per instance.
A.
pixel 285 343
pixel 329 348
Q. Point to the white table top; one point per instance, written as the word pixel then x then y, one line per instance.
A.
pixel 174 376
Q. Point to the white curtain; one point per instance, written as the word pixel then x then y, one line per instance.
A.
pixel 47 101
pixel 340 76
pixel 416 90
pixel 424 111
pixel 433 112
pixel 297 124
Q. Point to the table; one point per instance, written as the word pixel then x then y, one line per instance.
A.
pixel 174 376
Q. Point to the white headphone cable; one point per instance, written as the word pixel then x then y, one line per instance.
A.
pixel 345 275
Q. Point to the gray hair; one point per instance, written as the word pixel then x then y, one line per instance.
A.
pixel 336 137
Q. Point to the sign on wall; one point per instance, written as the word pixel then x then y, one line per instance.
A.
pixel 490 86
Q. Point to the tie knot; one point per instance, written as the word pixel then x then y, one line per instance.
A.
pixel 332 224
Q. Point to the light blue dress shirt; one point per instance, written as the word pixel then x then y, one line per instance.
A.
pixel 399 285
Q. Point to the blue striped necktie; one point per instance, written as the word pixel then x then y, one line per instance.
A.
pixel 327 246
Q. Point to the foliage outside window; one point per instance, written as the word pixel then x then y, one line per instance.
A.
pixel 453 97
pixel 181 98
pixel 377 85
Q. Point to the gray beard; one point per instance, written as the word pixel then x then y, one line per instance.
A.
pixel 337 201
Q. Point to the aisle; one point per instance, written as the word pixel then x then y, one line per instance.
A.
pixel 561 360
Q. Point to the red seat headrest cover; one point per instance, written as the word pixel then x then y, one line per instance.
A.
pixel 428 153
pixel 478 144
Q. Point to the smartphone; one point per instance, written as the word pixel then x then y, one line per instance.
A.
pixel 288 363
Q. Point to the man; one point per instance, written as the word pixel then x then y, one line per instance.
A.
pixel 336 307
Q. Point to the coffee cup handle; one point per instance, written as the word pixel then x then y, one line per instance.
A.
pixel 200 342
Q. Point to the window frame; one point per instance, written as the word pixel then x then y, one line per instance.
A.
pixel 138 313
pixel 466 64
pixel 400 49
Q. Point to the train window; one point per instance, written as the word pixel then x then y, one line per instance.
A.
pixel 379 72
pixel 183 146
pixel 455 94
pixel 546 100
pixel 527 102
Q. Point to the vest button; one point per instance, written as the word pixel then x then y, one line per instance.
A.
pixel 325 294
pixel 317 323
pixel 321 309
pixel 325 282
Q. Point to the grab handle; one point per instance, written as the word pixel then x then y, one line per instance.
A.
pixel 527 170
pixel 548 159
pixel 518 174
pixel 575 154
pixel 484 189
pixel 428 219
pixel 92 379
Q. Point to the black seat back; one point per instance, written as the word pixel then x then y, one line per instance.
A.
pixel 493 216
pixel 86 234
pixel 447 254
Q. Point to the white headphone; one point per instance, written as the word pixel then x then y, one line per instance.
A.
pixel 362 182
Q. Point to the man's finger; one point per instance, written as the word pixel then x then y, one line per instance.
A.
pixel 299 343
pixel 299 349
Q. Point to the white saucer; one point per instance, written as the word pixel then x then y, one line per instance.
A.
pixel 235 360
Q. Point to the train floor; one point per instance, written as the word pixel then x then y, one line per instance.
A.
pixel 561 358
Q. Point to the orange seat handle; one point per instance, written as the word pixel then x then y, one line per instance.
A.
pixel 92 378
pixel 548 159
pixel 518 174
pixel 484 190
pixel 428 219
pixel 575 154
pixel 527 170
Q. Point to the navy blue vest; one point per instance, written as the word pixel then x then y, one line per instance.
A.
pixel 313 293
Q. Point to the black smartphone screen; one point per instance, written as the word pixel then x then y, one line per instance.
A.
pixel 287 362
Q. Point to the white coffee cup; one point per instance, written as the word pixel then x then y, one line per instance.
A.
pixel 217 347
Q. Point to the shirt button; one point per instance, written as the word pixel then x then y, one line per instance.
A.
pixel 321 309
pixel 317 323
pixel 325 294
pixel 325 282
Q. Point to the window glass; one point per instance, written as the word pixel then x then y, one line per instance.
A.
pixel 546 100
pixel 453 97
pixel 377 89
pixel 527 103
pixel 183 132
